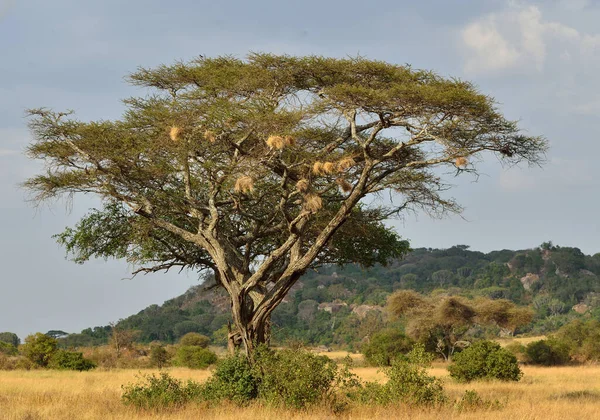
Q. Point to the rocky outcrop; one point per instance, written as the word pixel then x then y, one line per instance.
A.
pixel 362 310
pixel 529 280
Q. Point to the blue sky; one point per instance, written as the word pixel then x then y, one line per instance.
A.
pixel 539 59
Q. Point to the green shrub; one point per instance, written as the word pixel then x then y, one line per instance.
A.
pixel 159 392
pixel 8 349
pixel 159 356
pixel 408 383
pixel 294 378
pixel 194 357
pixel 39 348
pixel 548 352
pixel 68 360
pixel 233 380
pixel 485 360
pixel 195 339
pixel 471 401
pixel 386 345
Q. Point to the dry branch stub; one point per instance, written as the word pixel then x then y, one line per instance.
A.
pixel 244 184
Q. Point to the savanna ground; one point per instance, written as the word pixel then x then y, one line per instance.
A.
pixel 544 393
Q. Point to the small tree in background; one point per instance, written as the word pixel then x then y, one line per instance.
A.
pixel 445 321
pixel 122 338
pixel 195 339
pixel 10 338
pixel 39 348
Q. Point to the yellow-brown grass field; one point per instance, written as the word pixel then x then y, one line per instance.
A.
pixel 543 393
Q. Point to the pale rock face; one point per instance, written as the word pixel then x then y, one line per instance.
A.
pixel 581 308
pixel 528 280
pixel 362 310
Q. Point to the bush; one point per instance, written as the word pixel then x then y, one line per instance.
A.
pixel 550 352
pixel 195 339
pixel 159 356
pixel 67 360
pixel 233 380
pixel 194 357
pixel 471 401
pixel 385 346
pixel 279 378
pixel 485 360
pixel 294 378
pixel 8 349
pixel 39 348
pixel 408 382
pixel 159 392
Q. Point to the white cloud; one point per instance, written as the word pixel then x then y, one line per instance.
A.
pixel 520 38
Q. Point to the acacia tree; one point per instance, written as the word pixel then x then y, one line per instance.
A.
pixel 262 168
pixel 446 322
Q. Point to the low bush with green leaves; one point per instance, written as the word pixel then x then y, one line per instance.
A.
pixel 549 352
pixel 386 345
pixel 472 401
pixel 234 380
pixel 195 339
pixel 408 383
pixel 68 360
pixel 485 360
pixel 194 357
pixel 161 392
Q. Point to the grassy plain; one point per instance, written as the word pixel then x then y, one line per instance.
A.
pixel 543 393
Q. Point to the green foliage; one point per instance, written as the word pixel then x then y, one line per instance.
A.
pixel 234 380
pixel 67 360
pixel 10 338
pixel 408 383
pixel 550 352
pixel 159 356
pixel 385 346
pixel 294 378
pixel 39 348
pixel 472 401
pixel 485 360
pixel 159 392
pixel 8 349
pixel 286 378
pixel 194 357
pixel 194 339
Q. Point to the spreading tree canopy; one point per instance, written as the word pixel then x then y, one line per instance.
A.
pixel 258 169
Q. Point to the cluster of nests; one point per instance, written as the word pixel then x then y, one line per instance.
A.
pixel 175 133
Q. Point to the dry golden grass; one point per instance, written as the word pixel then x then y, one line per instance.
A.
pixel 543 393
